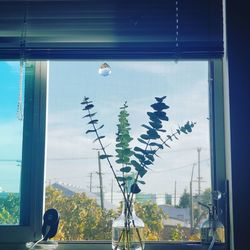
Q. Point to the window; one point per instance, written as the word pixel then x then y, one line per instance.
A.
pixel 107 30
pixel 11 142
pixel 72 158
pixel 63 114
pixel 25 186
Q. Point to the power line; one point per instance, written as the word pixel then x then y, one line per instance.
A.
pixel 70 159
pixel 9 160
pixel 184 166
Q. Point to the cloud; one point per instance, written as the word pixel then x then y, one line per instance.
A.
pixel 152 67
pixel 186 89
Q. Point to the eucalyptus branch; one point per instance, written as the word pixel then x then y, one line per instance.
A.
pixel 95 130
pixel 144 157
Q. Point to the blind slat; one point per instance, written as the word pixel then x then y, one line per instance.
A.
pixel 76 28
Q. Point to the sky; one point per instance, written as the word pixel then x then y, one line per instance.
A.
pixel 10 127
pixel 72 155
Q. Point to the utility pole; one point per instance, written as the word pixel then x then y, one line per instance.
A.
pixel 90 182
pixel 199 173
pixel 199 179
pixel 112 191
pixel 175 193
pixel 191 202
pixel 100 180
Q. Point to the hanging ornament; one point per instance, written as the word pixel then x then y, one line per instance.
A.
pixel 104 70
pixel 20 99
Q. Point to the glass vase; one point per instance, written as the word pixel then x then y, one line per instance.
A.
pixel 127 230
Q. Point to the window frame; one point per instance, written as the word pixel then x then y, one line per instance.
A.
pixel 34 153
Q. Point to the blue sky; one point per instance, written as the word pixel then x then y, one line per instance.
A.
pixel 10 127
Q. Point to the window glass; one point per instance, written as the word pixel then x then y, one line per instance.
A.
pixel 75 179
pixel 11 130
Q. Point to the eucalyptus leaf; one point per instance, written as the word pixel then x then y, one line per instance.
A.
pixel 175 137
pixel 139 157
pixel 88 107
pixel 153 134
pixel 169 137
pixel 156 144
pixel 146 126
pixel 159 106
pixel 138 149
pixel 149 152
pixel 105 156
pixel 119 178
pixel 141 171
pixel 162 130
pixel 119 161
pixel 160 99
pixel 142 141
pixel 125 169
pixel 150 157
pixel 134 189
pixel 99 138
pixel 128 178
pixel 152 116
pixel 156 125
pixel 144 137
pixel 147 162
pixel 89 115
pixel 100 127
pixel 90 131
pixel 86 102
pixel 162 115
pixel 141 182
pixel 93 121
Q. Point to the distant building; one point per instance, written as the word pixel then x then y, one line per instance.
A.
pixel 145 197
pixel 176 215
pixel 168 199
pixel 4 195
pixel 69 190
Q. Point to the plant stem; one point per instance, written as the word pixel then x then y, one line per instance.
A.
pixel 104 151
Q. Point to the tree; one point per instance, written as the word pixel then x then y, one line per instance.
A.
pixel 81 218
pixel 178 234
pixel 206 196
pixel 184 199
pixel 9 209
pixel 153 218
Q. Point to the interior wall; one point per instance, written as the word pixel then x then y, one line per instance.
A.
pixel 238 55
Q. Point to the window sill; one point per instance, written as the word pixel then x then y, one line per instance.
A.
pixel 106 245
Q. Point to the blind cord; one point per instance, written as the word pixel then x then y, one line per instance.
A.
pixel 177 23
pixel 47 231
pixel 20 98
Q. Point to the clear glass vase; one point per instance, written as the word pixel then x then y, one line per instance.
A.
pixel 127 230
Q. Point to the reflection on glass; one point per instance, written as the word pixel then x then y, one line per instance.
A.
pixel 11 129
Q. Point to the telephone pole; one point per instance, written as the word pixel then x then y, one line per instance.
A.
pixel 100 180
pixel 199 173
pixel 191 201
pixel 112 191
pixel 199 179
pixel 175 193
pixel 90 182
